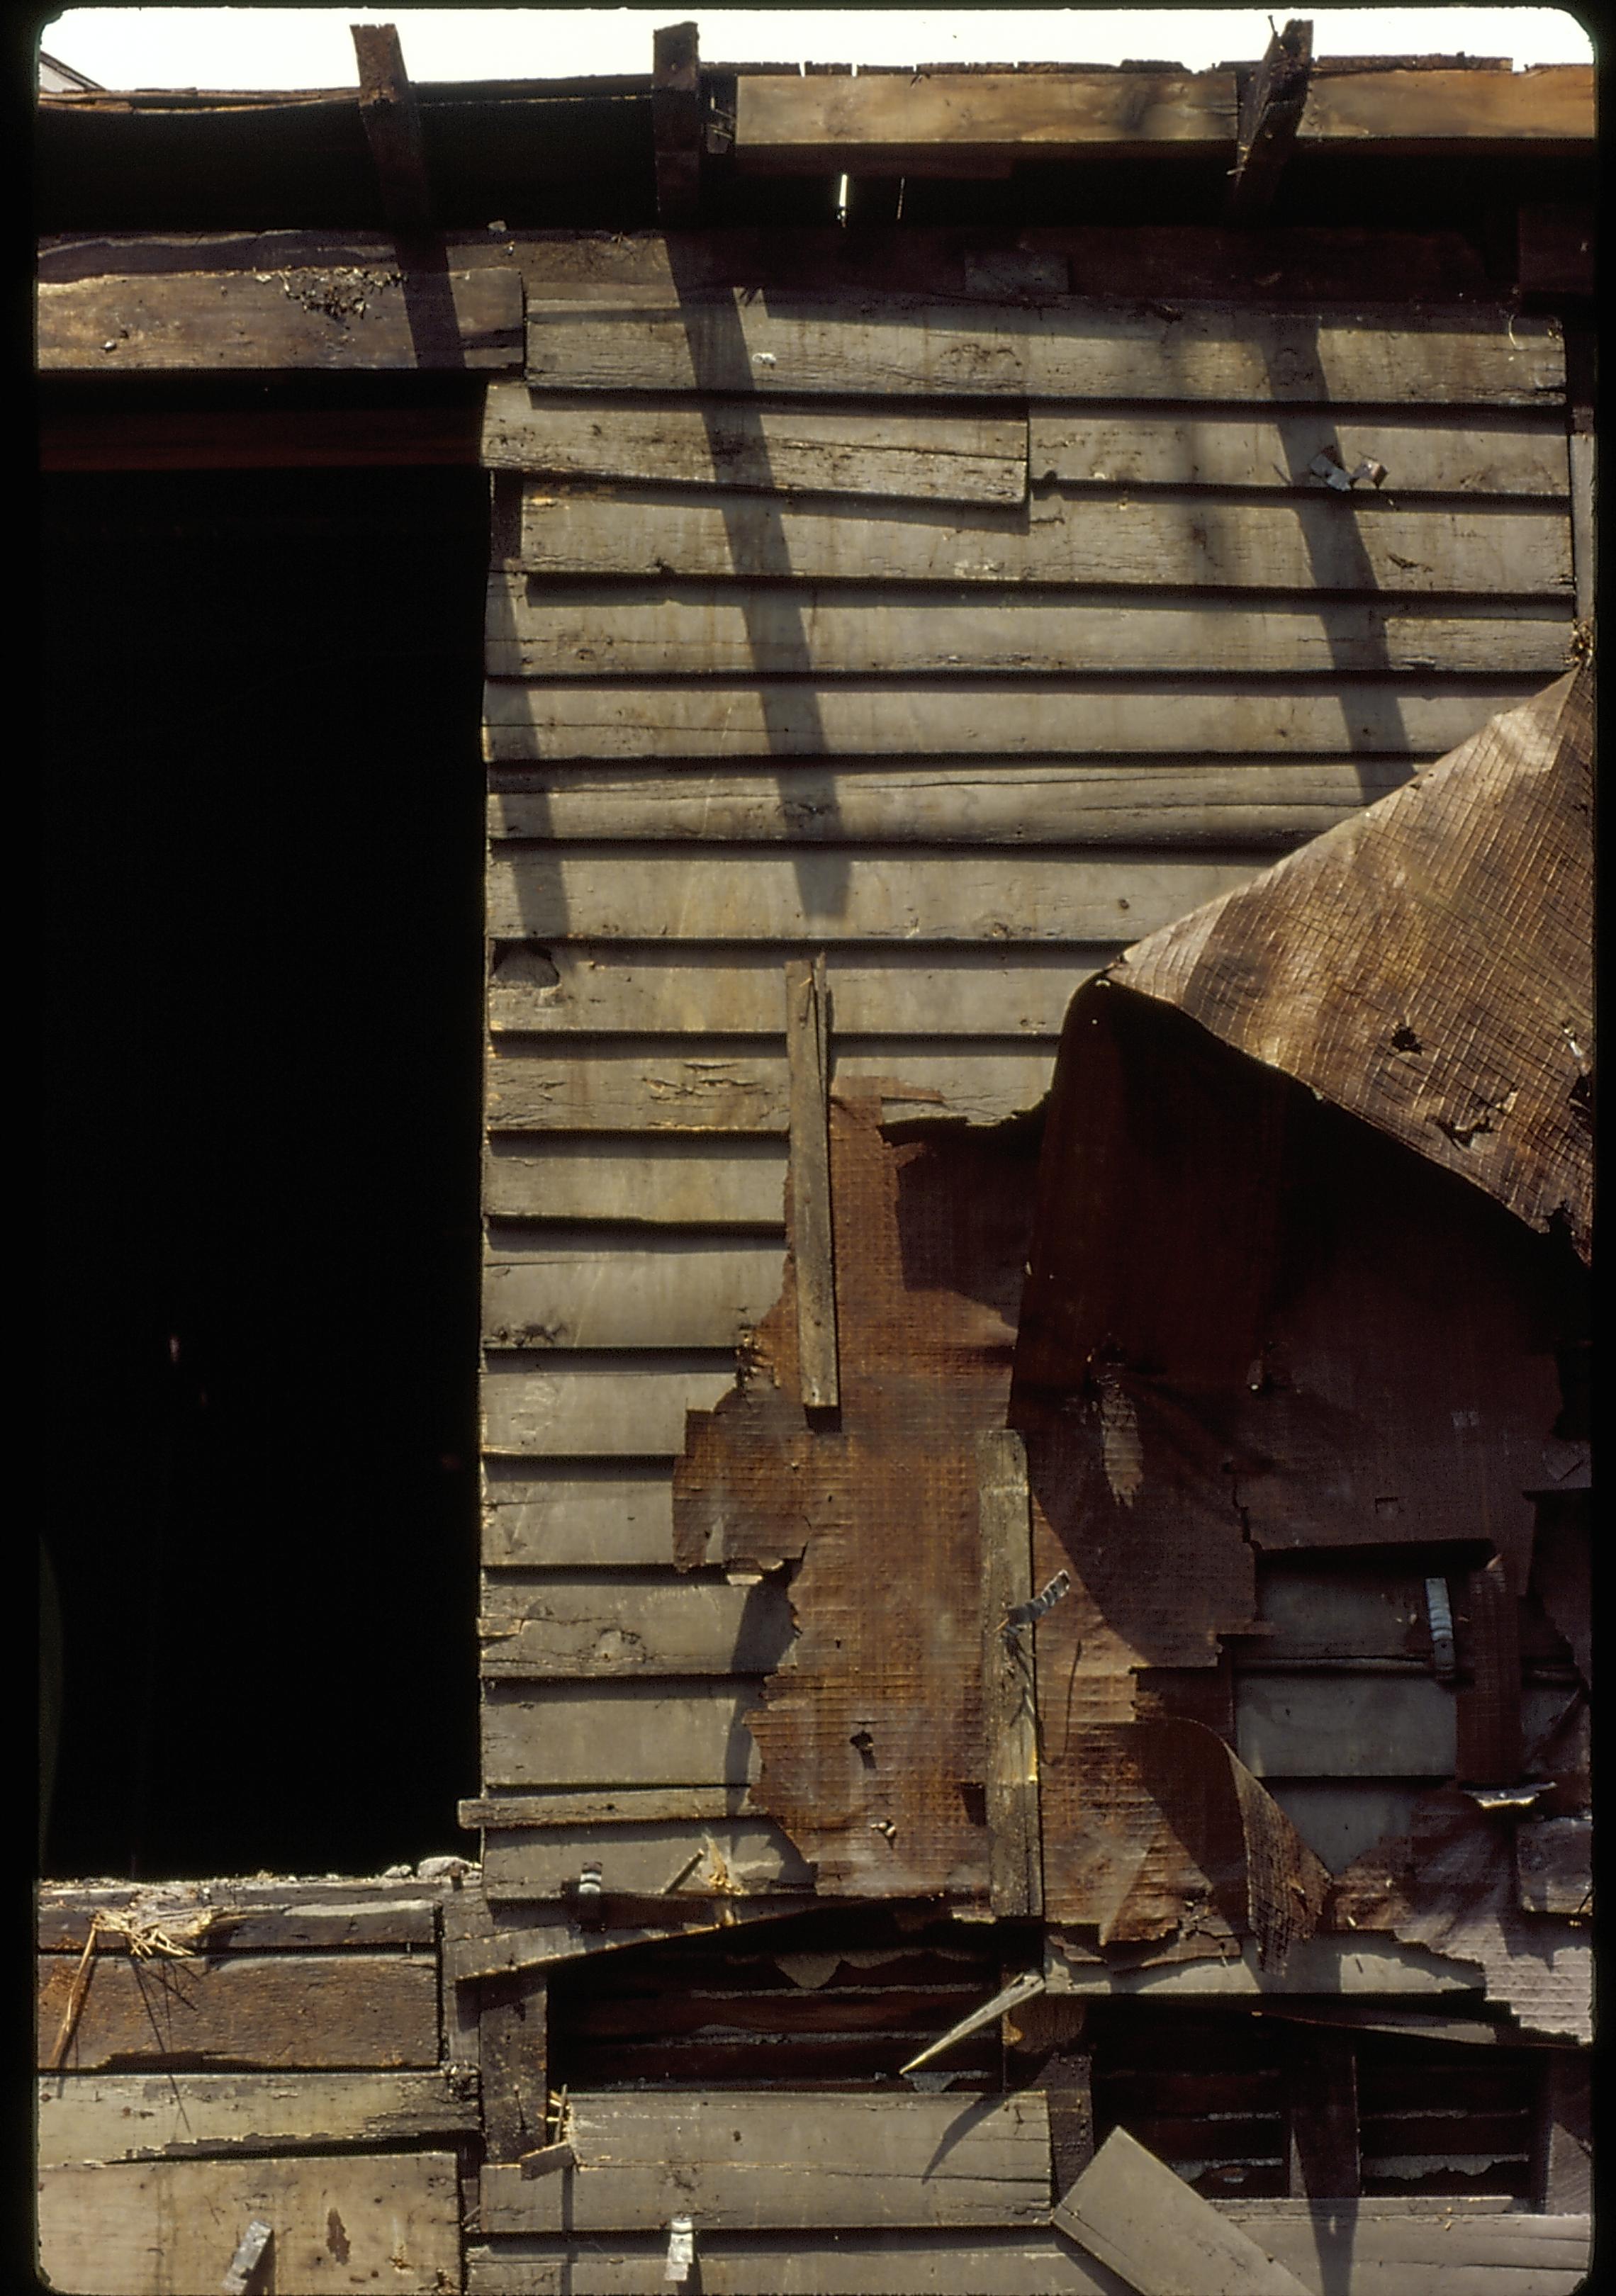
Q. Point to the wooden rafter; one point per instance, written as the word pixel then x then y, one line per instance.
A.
pixel 393 127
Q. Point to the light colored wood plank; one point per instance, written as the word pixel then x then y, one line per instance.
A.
pixel 1010 1709
pixel 1065 348
pixel 595 1291
pixel 1481 455
pixel 635 1090
pixel 1326 1966
pixel 855 2264
pixel 838 895
pixel 1147 802
pixel 1462 112
pixel 711 1857
pixel 617 1734
pixel 247 1917
pixel 1297 541
pixel 760 2159
pixel 171 2227
pixel 276 2009
pixel 371 316
pixel 536 630
pixel 86 2117
pixel 1451 2252
pixel 813 1251
pixel 778 449
pixel 665 1180
pixel 587 1407
pixel 609 1627
pixel 582 1515
pixel 1130 2211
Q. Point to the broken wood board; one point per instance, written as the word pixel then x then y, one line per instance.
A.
pixel 617 1734
pixel 842 894
pixel 583 1515
pixel 280 2010
pixel 623 1627
pixel 1316 1965
pixel 663 1181
pixel 604 1405
pixel 778 449
pixel 168 2227
pixel 385 314
pixel 1296 542
pixel 489 1950
pixel 89 2117
pixel 604 988
pixel 788 2163
pixel 1062 348
pixel 537 628
pixel 1480 453
pixel 1147 802
pixel 1129 2209
pixel 689 1088
pixel 596 1290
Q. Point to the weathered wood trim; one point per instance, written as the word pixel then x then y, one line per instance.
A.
pixel 1015 1871
pixel 726 1184
pixel 84 2116
pixel 809 1186
pixel 1270 113
pixel 246 1917
pixel 1377 113
pixel 617 1806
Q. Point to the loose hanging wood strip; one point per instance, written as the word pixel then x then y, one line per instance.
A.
pixel 813 1242
pixel 1009 1686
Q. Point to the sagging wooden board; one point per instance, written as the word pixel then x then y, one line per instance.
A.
pixel 1296 541
pixel 591 630
pixel 1061 348
pixel 373 316
pixel 87 2117
pixel 171 2227
pixel 1130 2210
pixel 762 2159
pixel 283 2010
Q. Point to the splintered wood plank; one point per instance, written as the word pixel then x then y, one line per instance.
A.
pixel 838 895
pixel 1320 540
pixel 808 1182
pixel 607 990
pixel 87 2117
pixel 631 1090
pixel 607 1629
pixel 717 1857
pixel 534 628
pixel 656 1182
pixel 373 316
pixel 1147 802
pixel 171 2227
pixel 778 449
pixel 281 2010
pixel 886 345
pixel 1345 1726
pixel 1130 2210
pixel 587 1407
pixel 1016 1876
pixel 1484 453
pixel 594 1291
pixel 759 2158
pixel 617 1734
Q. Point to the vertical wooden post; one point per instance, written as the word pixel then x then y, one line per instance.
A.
pixel 813 1240
pixel 1322 2146
pixel 1579 357
pixel 513 2047
pixel 1563 2148
pixel 1270 113
pixel 1489 1706
pixel 391 119
pixel 675 125
pixel 1015 1861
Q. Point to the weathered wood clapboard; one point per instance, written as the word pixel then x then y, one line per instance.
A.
pixel 962 644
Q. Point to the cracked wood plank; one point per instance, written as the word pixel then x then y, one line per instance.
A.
pixel 84 2116
pixel 279 2010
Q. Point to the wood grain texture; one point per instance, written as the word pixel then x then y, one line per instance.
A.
pixel 1318 540
pixel 1374 111
pixel 1009 1711
pixel 240 2010
pixel 586 1407
pixel 812 1238
pixel 594 1291
pixel 775 449
pixel 1478 454
pixel 617 1734
pixel 1130 2212
pixel 1453 2248
pixel 247 1917
pixel 651 1182
pixel 537 628
pixel 603 1628
pixel 1064 348
pixel 84 2116
pixel 786 2162
pixel 170 2227
pixel 578 1515
pixel 369 317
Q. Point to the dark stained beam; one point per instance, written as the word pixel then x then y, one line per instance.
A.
pixel 675 125
pixel 1270 113
pixel 392 127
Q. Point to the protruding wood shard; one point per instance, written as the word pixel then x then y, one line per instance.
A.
pixel 1009 1685
pixel 813 1242
pixel 1270 114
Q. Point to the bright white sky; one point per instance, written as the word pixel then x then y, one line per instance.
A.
pixel 278 47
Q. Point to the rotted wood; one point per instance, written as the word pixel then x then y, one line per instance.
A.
pixel 1489 1742
pixel 1270 113
pixel 1010 1713
pixel 1321 2122
pixel 391 120
pixel 513 2057
pixel 812 1231
pixel 675 125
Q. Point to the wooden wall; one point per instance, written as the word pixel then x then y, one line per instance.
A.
pixel 961 639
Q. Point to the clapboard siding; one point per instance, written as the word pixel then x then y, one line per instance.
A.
pixel 654 1181
pixel 1476 454
pixel 605 1406
pixel 575 1513
pixel 602 1627
pixel 592 1290
pixel 689 1732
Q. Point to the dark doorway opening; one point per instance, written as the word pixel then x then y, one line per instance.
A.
pixel 262 979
